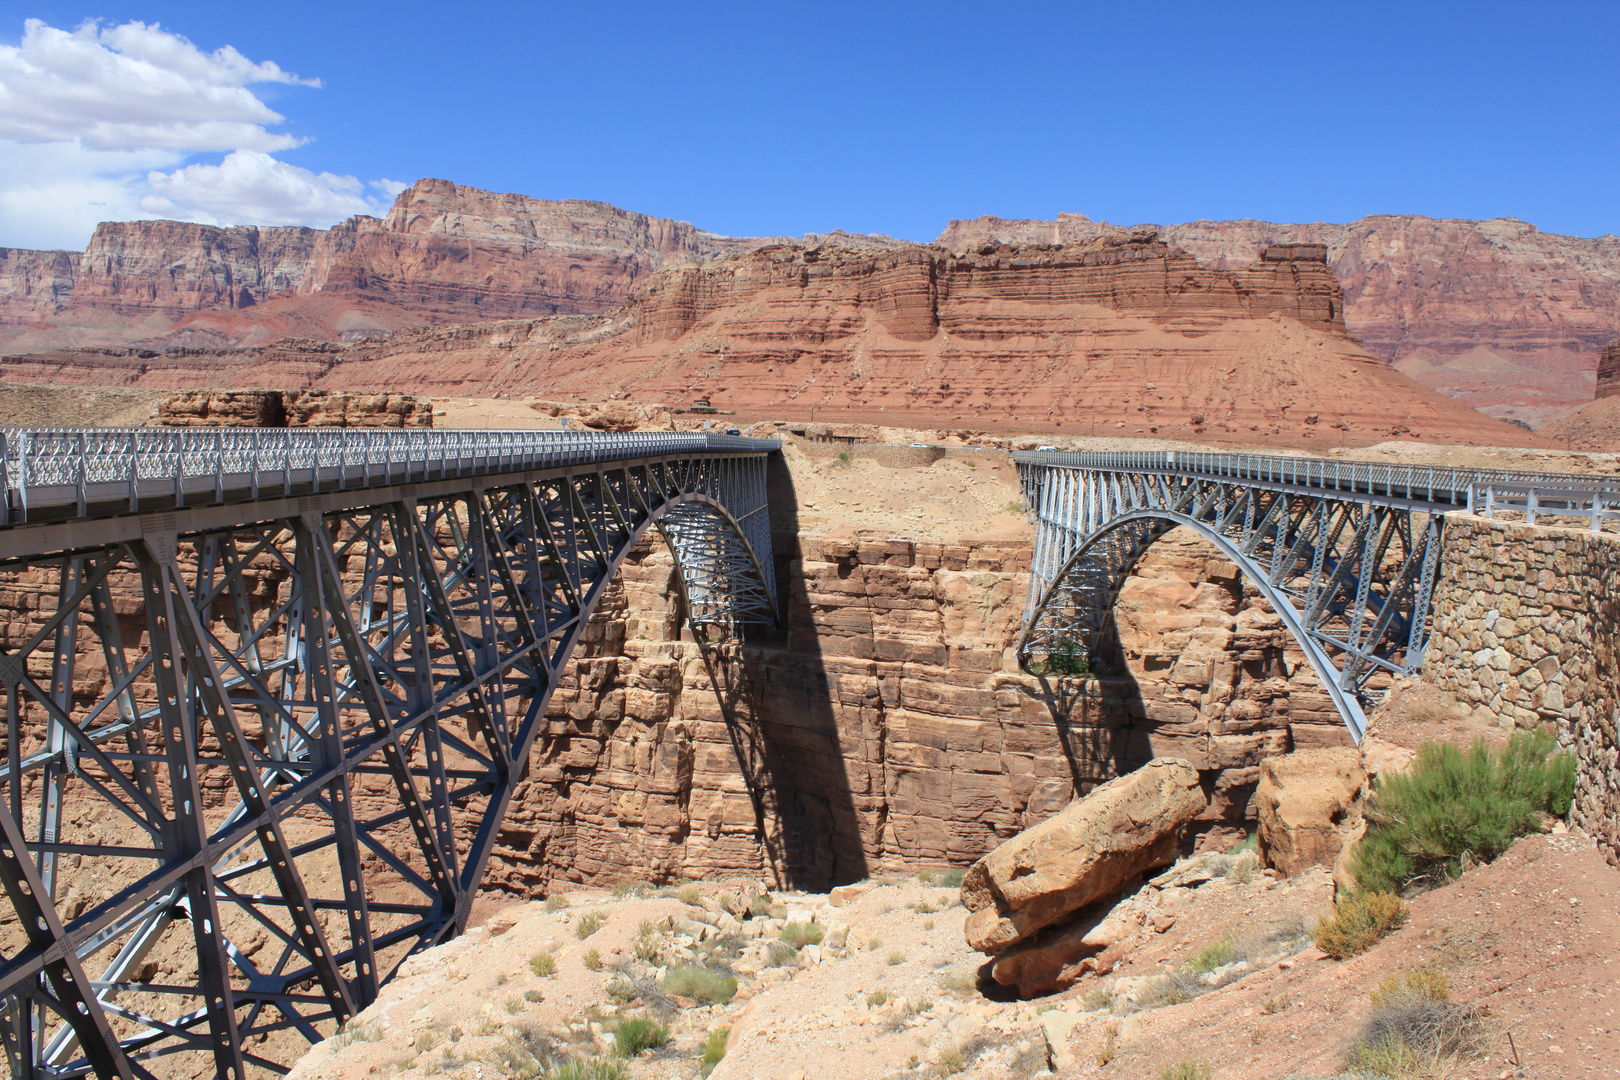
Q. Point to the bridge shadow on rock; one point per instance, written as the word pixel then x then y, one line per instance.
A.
pixel 1100 718
pixel 781 707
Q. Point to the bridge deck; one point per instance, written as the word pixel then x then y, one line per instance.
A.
pixel 1418 487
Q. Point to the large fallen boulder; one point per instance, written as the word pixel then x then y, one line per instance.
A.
pixel 1309 807
pixel 1088 851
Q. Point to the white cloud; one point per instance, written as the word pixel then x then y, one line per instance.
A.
pixel 101 123
pixel 251 186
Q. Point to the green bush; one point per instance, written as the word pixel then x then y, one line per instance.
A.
pixel 714 1049
pixel 1358 923
pixel 700 983
pixel 690 895
pixel 589 1070
pixel 592 960
pixel 1065 658
pixel 799 935
pixel 1214 955
pixel 556 902
pixel 543 964
pixel 587 925
pixel 1455 807
pixel 638 1033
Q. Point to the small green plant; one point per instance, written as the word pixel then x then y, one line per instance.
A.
pixel 424 1042
pixel 649 951
pixel 543 964
pixel 596 1069
pixel 1454 808
pixel 928 924
pixel 514 1005
pixel 877 997
pixel 356 1033
pixel 781 955
pixel 623 890
pixel 592 960
pixel 1425 983
pixel 690 895
pixel 1360 922
pixel 1214 955
pixel 486 1028
pixel 1276 1004
pixel 874 943
pixel 638 1033
pixel 923 907
pixel 714 1049
pixel 918 1006
pixel 798 935
pixel 950 879
pixel 533 996
pixel 1013 506
pixel 843 457
pixel 1187 1069
pixel 702 984
pixel 587 925
pixel 1250 843
pixel 1064 658
pixel 556 902
pixel 895 958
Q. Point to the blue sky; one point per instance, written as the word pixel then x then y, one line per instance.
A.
pixel 783 118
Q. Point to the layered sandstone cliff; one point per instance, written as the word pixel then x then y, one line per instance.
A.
pixel 443 253
pixel 1125 335
pixel 1495 313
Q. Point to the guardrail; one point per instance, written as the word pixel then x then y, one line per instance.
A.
pixel 1471 489
pixel 61 470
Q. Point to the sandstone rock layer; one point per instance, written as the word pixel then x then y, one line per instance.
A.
pixel 1078 856
pixel 1309 804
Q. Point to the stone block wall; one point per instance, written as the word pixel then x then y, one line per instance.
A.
pixel 1525 630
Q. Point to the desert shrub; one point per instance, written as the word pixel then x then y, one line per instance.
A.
pixel 1277 1004
pixel 533 995
pixel 638 1033
pixel 1250 843
pixel 356 1033
pixel 597 1069
pixel 1358 923
pixel 543 964
pixel 703 984
pixel 1065 658
pixel 1109 1049
pixel 587 925
pixel 648 950
pixel 1176 988
pixel 895 958
pixel 592 960
pixel 1214 955
pixel 877 997
pixel 1187 1069
pixel 1413 1026
pixel 799 935
pixel 923 907
pixel 514 1005
pixel 781 955
pixel 950 879
pixel 623 890
pixel 690 895
pixel 1456 807
pixel 556 902
pixel 714 1049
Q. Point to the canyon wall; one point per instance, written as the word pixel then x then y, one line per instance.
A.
pixel 1608 373
pixel 1526 627
pixel 888 729
pixel 443 253
pixel 1125 335
pixel 1494 313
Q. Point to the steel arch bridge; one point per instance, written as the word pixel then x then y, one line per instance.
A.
pixel 1344 552
pixel 277 694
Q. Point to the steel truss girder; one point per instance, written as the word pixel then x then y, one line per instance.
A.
pixel 309 745
pixel 1350 576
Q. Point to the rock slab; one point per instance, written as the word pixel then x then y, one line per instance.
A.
pixel 1307 803
pixel 1089 850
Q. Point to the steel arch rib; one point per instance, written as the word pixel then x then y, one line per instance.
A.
pixel 1327 674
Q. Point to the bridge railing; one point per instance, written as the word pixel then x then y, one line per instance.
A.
pixel 72 469
pixel 1417 483
pixel 1535 501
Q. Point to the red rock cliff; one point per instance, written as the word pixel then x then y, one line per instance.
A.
pixel 1495 313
